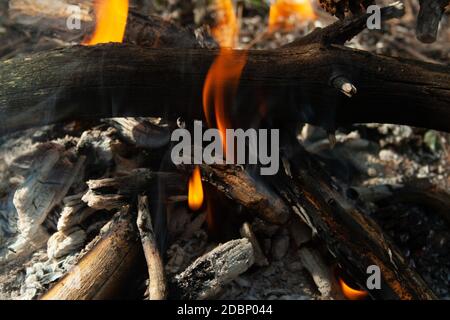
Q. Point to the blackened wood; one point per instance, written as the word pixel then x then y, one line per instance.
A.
pixel 206 276
pixel 121 80
pixel 351 235
pixel 430 15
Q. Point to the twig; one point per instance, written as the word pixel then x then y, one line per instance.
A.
pixel 157 288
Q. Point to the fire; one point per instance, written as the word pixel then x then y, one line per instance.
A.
pixel 284 14
pixel 350 293
pixel 220 87
pixel 223 77
pixel 195 192
pixel 226 30
pixel 111 21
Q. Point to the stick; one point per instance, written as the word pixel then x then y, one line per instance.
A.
pixel 157 284
pixel 104 272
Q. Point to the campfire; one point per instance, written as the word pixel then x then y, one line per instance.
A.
pixel 193 150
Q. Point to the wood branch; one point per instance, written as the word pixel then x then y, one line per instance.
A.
pixel 105 270
pixel 205 278
pixel 247 232
pixel 344 30
pixel 239 186
pixel 72 84
pixel 157 289
pixel 351 235
pixel 430 15
pixel 50 17
pixel 112 193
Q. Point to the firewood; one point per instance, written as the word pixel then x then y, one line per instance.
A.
pixel 390 90
pixel 344 30
pixel 320 272
pixel 157 289
pixel 112 193
pixel 351 235
pixel 430 15
pixel 247 232
pixel 104 271
pixel 50 17
pixel 205 278
pixel 239 186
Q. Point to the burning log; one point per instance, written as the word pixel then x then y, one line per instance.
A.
pixel 157 283
pixel 51 16
pixel 237 185
pixel 105 270
pixel 205 278
pixel 153 83
pixel 351 235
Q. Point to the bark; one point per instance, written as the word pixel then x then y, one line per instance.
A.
pixel 102 81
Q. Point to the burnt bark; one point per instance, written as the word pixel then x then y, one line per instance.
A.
pixel 102 81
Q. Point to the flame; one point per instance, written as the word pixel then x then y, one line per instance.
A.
pixel 195 193
pixel 284 14
pixel 222 80
pixel 220 87
pixel 350 293
pixel 226 30
pixel 111 21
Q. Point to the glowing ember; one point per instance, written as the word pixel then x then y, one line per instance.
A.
pixel 350 293
pixel 195 193
pixel 111 21
pixel 226 29
pixel 284 14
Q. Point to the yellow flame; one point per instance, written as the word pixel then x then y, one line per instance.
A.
pixel 284 14
pixel 350 293
pixel 226 30
pixel 111 21
pixel 195 190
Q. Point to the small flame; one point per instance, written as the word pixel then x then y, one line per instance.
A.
pixel 284 14
pixel 226 30
pixel 223 77
pixel 111 21
pixel 350 293
pixel 195 192
pixel 220 87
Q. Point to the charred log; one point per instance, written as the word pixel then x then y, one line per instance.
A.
pixel 72 84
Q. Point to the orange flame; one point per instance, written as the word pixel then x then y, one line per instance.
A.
pixel 111 21
pixel 284 14
pixel 220 87
pixel 223 77
pixel 350 293
pixel 226 30
pixel 195 192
